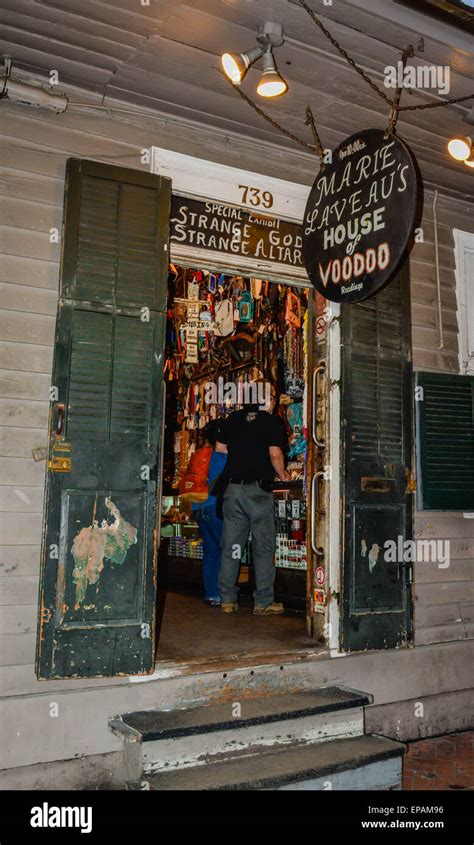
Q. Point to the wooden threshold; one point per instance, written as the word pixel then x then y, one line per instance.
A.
pixel 200 665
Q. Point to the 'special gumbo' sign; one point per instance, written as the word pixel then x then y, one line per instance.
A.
pixel 224 228
pixel 360 216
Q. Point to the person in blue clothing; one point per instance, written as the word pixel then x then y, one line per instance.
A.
pixel 209 523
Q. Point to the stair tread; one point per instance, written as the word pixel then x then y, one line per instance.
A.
pixel 166 724
pixel 267 769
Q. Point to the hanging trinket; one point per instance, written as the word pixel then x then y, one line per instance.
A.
pixel 245 307
pixel 292 313
pixel 224 318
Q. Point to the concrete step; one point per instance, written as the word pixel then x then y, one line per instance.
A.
pixel 157 740
pixel 363 762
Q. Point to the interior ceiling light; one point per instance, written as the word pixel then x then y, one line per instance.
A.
pixel 461 149
pixel 236 65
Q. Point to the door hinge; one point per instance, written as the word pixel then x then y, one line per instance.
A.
pixel 46 615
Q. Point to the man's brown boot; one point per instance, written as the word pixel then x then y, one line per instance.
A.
pixel 270 610
pixel 229 607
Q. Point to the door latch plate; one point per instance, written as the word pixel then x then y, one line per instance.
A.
pixel 57 464
pixel 60 460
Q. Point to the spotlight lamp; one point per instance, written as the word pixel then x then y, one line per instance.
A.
pixel 236 65
pixel 462 149
pixel 271 83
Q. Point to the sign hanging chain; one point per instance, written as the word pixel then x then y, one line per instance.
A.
pixel 408 53
pixel 438 105
pixel 317 140
pixel 343 52
pixel 274 123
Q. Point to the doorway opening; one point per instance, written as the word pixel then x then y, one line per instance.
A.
pixel 224 332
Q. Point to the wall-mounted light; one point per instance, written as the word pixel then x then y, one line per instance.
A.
pixel 271 84
pixel 236 65
pixel 461 148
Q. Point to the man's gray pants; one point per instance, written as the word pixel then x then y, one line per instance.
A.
pixel 248 508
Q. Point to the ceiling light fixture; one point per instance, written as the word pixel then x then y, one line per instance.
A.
pixel 461 148
pixel 236 65
pixel 271 83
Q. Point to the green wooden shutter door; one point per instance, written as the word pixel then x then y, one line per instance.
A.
pixel 445 441
pixel 376 406
pixel 98 559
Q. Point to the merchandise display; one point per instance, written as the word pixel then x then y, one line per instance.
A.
pixel 228 338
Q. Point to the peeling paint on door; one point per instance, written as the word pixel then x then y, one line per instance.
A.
pixel 96 543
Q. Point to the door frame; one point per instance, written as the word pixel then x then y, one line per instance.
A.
pixel 204 180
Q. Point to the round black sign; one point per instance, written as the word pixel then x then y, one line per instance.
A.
pixel 359 216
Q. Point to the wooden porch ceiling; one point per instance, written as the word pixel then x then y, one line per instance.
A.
pixel 166 57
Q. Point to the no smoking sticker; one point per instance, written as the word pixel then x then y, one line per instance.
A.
pixel 320 325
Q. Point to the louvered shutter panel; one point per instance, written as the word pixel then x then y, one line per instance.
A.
pixel 98 590
pixel 376 394
pixel 111 253
pixel 445 441
pixel 377 362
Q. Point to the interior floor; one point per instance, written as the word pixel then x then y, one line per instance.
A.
pixel 190 629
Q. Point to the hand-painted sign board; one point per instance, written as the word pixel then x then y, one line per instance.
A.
pixel 235 231
pixel 360 216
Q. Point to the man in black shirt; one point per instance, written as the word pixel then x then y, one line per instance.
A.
pixel 254 442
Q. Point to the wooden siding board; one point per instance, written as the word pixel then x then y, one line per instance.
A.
pixel 18 443
pixel 20 270
pixel 21 620
pixel 21 500
pixel 18 590
pixel 17 649
pixel 458 570
pixel 24 413
pixel 22 680
pixel 19 560
pixel 26 358
pixel 20 471
pixel 28 244
pixel 24 385
pixel 29 214
pixel 29 328
pixel 443 614
pixel 15 525
pixel 442 593
pixel 435 360
pixel 450 633
pixel 443 525
pixel 21 298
